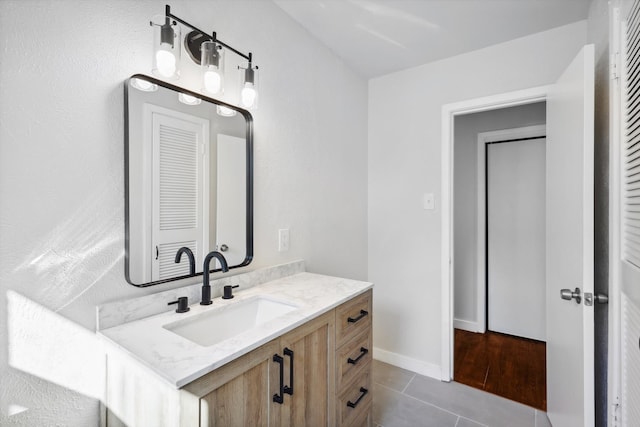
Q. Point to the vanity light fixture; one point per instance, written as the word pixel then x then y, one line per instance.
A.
pixel 225 111
pixel 143 85
pixel 166 43
pixel 248 86
pixel 204 49
pixel 188 99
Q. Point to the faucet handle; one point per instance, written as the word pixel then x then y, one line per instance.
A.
pixel 228 291
pixel 183 304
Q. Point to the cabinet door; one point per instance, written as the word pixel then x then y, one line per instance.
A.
pixel 237 394
pixel 310 350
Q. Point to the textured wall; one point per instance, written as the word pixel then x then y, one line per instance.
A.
pixel 62 64
pixel 405 111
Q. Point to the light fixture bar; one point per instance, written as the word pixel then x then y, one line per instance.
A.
pixel 212 37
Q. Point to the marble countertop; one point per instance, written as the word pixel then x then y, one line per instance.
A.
pixel 180 361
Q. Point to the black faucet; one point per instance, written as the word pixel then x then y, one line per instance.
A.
pixel 192 260
pixel 206 287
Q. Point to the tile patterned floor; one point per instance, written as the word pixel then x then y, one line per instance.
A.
pixel 402 398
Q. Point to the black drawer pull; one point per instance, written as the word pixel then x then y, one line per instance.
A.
pixel 363 352
pixel 287 389
pixel 364 392
pixel 355 319
pixel 279 397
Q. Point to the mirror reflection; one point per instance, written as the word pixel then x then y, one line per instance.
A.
pixel 188 182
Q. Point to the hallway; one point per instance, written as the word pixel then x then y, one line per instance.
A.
pixel 505 365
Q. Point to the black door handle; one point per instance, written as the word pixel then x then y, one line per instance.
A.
pixel 289 389
pixel 355 319
pixel 363 352
pixel 279 397
pixel 364 392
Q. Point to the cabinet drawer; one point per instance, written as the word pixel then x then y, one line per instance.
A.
pixel 352 357
pixel 362 420
pixel 352 318
pixel 355 398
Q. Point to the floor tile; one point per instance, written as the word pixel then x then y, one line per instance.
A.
pixel 464 422
pixel 391 376
pixel 542 420
pixel 394 409
pixel 470 403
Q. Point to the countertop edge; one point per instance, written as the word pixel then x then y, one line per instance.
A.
pixel 179 381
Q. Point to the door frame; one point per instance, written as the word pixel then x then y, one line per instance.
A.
pixel 485 138
pixel 449 112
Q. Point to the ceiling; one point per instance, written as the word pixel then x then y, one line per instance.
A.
pixel 377 37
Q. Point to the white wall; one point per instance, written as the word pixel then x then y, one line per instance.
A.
pixel 465 157
pixel 62 66
pixel 404 162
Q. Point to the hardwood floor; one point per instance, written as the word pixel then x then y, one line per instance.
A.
pixel 508 366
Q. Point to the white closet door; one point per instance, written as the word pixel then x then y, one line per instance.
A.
pixel 231 229
pixel 629 231
pixel 178 215
pixel 516 238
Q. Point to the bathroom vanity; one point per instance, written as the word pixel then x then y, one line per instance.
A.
pixel 304 358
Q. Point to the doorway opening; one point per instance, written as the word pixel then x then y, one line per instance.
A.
pixel 499 252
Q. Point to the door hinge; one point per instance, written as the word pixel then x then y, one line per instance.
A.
pixel 615 412
pixel 615 66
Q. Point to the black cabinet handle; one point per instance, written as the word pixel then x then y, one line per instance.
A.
pixel 355 319
pixel 287 389
pixel 279 397
pixel 363 352
pixel 364 392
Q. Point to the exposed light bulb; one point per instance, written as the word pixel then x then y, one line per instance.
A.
pixel 248 95
pixel 212 81
pixel 165 61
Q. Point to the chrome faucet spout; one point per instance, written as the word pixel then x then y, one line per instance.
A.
pixel 206 287
pixel 192 260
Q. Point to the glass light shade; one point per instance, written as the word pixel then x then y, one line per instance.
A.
pixel 188 99
pixel 166 46
pixel 225 111
pixel 212 65
pixel 249 87
pixel 143 85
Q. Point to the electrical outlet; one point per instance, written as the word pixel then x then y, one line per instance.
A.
pixel 429 202
pixel 283 240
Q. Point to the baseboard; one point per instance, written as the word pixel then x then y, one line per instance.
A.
pixel 404 362
pixel 465 325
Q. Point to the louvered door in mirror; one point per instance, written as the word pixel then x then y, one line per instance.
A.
pixel 188 181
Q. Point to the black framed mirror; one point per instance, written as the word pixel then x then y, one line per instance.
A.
pixel 188 181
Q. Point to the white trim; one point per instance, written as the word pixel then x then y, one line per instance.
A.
pixel 449 111
pixel 614 344
pixel 483 139
pixel 467 325
pixel 409 363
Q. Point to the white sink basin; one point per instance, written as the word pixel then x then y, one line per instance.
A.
pixel 218 324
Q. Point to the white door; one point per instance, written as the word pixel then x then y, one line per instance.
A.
pixel 516 237
pixel 569 260
pixel 178 214
pixel 626 201
pixel 231 234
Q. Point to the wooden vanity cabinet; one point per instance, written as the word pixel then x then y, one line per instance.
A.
pixel 353 362
pixel 331 357
pixel 237 394
pixel 242 392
